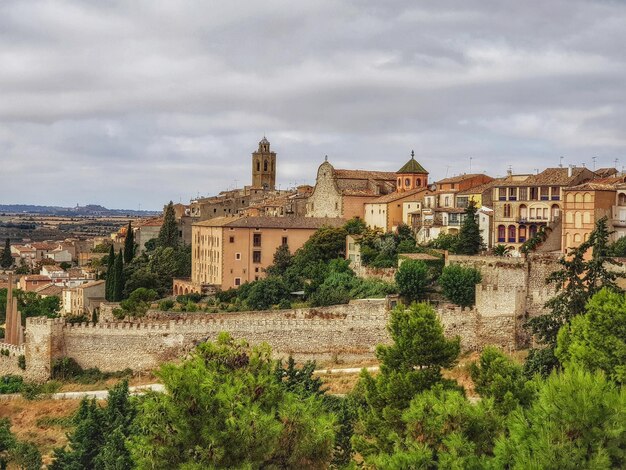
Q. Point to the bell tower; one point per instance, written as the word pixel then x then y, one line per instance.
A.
pixel 264 166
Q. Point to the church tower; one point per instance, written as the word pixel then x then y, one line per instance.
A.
pixel 264 167
pixel 411 176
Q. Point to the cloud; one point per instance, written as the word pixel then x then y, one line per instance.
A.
pixel 127 103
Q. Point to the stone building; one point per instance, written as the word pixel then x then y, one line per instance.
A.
pixel 83 299
pixel 523 204
pixel 386 212
pixel 230 251
pixel 344 193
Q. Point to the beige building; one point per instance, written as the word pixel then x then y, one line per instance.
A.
pixel 228 252
pixel 523 204
pixel 386 212
pixel 83 299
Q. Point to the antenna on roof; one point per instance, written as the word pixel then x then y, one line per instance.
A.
pixel 561 161
pixel 325 158
pixel 536 171
pixel 616 162
pixel 447 168
pixel 583 164
pixel 470 158
pixel 594 163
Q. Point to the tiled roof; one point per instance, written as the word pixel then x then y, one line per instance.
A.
pixel 605 172
pixel 272 222
pixel 37 277
pixel 91 284
pixel 387 198
pixel 591 186
pixel 365 175
pixel 412 166
pixel 49 289
pixel 555 177
pixel 43 246
pixel 459 178
pixel 480 188
pixel 153 222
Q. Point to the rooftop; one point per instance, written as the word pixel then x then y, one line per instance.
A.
pixel 272 222
pixel 459 178
pixel 387 198
pixel 365 175
pixel 481 188
pixel 412 166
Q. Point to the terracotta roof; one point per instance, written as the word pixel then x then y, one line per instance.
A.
pixel 459 178
pixel 412 166
pixel 37 277
pixel 43 246
pixel 272 222
pixel 365 175
pixel 91 284
pixel 387 198
pixel 555 177
pixel 49 289
pixel 480 188
pixel 591 186
pixel 605 172
pixel 154 222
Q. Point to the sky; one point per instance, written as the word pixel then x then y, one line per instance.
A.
pixel 130 104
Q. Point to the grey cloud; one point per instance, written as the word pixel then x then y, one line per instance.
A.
pixel 123 103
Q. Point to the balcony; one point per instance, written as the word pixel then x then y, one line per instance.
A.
pixel 619 222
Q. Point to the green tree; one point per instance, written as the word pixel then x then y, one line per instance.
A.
pixel 26 456
pixel 579 279
pixel 618 248
pixel 355 226
pixel 470 242
pixel 118 269
pixel 282 261
pixel 496 376
pixel 445 241
pixel 597 339
pixel 410 365
pixel 168 235
pixel 129 244
pixel 459 284
pixel 109 287
pixel 502 250
pixel 6 260
pixel 577 421
pixel 7 442
pixel 229 411
pixel 138 302
pixel 267 292
pixel 412 278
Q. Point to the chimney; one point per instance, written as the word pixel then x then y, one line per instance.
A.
pixel 569 171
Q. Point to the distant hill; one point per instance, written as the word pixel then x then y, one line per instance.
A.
pixel 90 210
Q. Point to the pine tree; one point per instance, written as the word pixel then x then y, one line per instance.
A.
pixel 129 244
pixel 7 260
pixel 470 242
pixel 168 235
pixel 118 269
pixel 110 279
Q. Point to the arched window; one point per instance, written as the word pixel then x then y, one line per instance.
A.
pixel 407 182
pixel 621 199
pixel 578 221
pixel 579 198
pixel 587 197
pixel 523 212
pixel 577 238
pixel 265 165
pixel 512 234
pixel 586 217
pixel 569 218
pixel 570 197
pixel 501 233
pixel 418 182
pixel 522 233
pixel 556 211
pixel 532 231
pixel 258 165
pixel 507 210
pixel 399 181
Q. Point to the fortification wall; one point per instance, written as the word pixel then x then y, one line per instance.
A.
pixel 346 331
pixel 386 274
pixel 9 364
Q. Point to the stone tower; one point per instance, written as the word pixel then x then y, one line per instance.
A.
pixel 264 166
pixel 411 176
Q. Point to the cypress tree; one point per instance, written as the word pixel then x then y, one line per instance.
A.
pixel 129 244
pixel 118 268
pixel 470 242
pixel 110 280
pixel 168 235
pixel 7 260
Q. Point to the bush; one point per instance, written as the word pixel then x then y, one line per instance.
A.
pixel 11 384
pixel 412 278
pixel 372 288
pixel 166 305
pixel 65 368
pixel 459 284
pixel 191 297
pixel 32 391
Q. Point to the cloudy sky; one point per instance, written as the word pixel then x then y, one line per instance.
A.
pixel 127 103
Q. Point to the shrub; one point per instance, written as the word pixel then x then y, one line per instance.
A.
pixel 166 305
pixel 459 284
pixel 11 384
pixel 412 278
pixel 191 297
pixel 65 368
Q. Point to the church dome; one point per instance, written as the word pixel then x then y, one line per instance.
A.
pixel 412 166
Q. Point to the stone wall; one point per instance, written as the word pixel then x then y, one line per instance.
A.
pixel 9 364
pixel 386 274
pixel 348 332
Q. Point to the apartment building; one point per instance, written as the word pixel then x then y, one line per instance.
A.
pixel 230 251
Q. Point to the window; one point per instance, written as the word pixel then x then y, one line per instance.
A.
pixel 256 239
pixel 512 234
pixel 256 270
pixel 256 278
pixel 407 182
pixel 237 255
pixel 502 194
pixel 237 281
pixel 523 194
pixel 501 233
pixel 534 194
pixel 556 193
pixel 399 182
pixel 507 210
pixel 336 206
pixel 256 257
pixel 512 194
pixel 446 201
pixel 621 199
pixel 418 182
pixel 265 165
pixel 231 239
pixel 545 193
pixel 523 212
pixel 522 233
pixel 284 241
